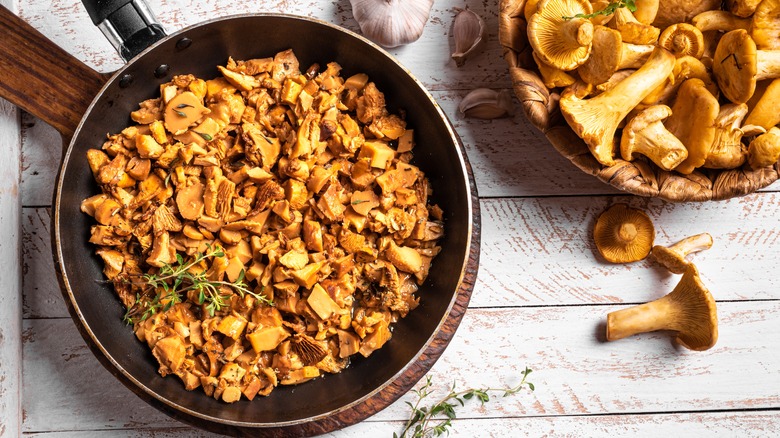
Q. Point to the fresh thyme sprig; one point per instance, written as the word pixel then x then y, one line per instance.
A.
pixel 436 420
pixel 609 9
pixel 177 279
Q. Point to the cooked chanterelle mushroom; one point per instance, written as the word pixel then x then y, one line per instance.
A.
pixel 688 310
pixel 557 39
pixel 674 256
pixel 595 120
pixel 264 226
pixel 738 65
pixel 623 234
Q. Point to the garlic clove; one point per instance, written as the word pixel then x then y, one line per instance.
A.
pixel 470 35
pixel 391 23
pixel 484 103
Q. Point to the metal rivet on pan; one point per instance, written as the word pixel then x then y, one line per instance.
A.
pixel 125 81
pixel 183 43
pixel 161 71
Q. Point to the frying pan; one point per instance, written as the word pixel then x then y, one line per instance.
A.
pixel 84 106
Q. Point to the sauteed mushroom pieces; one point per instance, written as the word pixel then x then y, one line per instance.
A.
pixel 265 226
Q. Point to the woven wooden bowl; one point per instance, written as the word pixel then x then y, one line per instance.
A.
pixel 638 177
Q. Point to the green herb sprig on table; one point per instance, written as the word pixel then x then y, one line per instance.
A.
pixel 436 420
pixel 177 279
pixel 608 10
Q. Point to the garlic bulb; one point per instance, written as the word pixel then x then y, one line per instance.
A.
pixel 392 23
pixel 484 103
pixel 470 35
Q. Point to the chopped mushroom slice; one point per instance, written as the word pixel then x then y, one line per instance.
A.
pixel 674 256
pixel 560 42
pixel 596 120
pixel 688 310
pixel 646 134
pixel 623 234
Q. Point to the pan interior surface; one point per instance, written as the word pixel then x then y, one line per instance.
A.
pixel 247 37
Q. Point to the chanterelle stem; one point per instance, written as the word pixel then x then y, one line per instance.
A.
pixel 648 317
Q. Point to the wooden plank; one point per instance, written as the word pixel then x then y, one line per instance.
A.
pixel 743 424
pixel 539 252
pixel 575 373
pixel 11 277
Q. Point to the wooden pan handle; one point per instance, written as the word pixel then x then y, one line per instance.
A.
pixel 41 78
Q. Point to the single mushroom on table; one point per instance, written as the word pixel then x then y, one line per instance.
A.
pixel 610 54
pixel 738 65
pixel 623 234
pixel 595 120
pixel 689 310
pixel 693 122
pixel 682 39
pixel 558 37
pixel 646 134
pixel 673 257
pixel 764 150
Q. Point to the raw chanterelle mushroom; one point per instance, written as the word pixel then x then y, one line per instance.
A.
pixel 765 113
pixel 692 121
pixel 632 30
pixel 682 39
pixel 596 120
pixel 560 42
pixel 681 11
pixel 610 54
pixel 742 8
pixel 673 257
pixel 738 65
pixel 727 150
pixel 764 150
pixel 646 10
pixel 688 310
pixel 646 134
pixel 686 67
pixel 623 234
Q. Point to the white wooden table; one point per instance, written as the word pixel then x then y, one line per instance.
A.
pixel 540 301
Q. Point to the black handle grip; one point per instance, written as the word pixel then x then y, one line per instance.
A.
pixel 129 25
